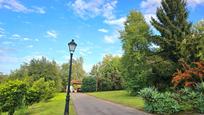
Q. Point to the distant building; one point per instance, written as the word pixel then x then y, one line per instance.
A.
pixel 76 85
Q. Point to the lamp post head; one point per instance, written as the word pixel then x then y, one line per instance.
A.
pixel 72 46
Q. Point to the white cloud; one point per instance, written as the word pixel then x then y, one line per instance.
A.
pixel 117 22
pixel 39 10
pixel 108 10
pixel 19 37
pixel 37 40
pixel 111 39
pixel 85 8
pixel 85 51
pixel 194 3
pixel 103 30
pixel 26 39
pixel 16 6
pixel 148 17
pixel 30 46
pixel 149 7
pixel 2 31
pixel 51 34
pixel 91 8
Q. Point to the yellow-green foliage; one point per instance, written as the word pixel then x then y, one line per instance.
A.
pixel 54 106
pixel 12 96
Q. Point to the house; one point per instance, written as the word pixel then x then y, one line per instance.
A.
pixel 76 84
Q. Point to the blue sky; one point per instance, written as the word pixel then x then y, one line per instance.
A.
pixel 36 28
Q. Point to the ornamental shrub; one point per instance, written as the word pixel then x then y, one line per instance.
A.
pixel 43 90
pixel 190 100
pixel 199 104
pixel 88 84
pixel 32 96
pixel 12 96
pixel 159 103
pixel 200 87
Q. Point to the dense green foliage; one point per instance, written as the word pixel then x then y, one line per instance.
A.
pixel 54 106
pixel 15 94
pixel 12 96
pixel 37 69
pixel 78 72
pixel 168 103
pixel 173 26
pixel 35 81
pixel 151 60
pixel 44 89
pixel 135 45
pixel 159 103
pixel 88 84
pixel 108 74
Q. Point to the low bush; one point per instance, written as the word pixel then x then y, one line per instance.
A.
pixel 199 103
pixel 159 103
pixel 200 87
pixel 32 96
pixel 12 96
pixel 43 90
pixel 88 84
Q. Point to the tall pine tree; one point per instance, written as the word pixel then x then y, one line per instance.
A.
pixel 173 26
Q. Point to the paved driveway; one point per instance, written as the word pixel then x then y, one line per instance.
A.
pixel 88 105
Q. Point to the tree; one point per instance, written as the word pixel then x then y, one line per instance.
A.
pixel 199 33
pixel 3 77
pixel 95 72
pixel 135 42
pixel 78 72
pixel 37 69
pixel 108 73
pixel 88 84
pixel 173 26
pixel 111 71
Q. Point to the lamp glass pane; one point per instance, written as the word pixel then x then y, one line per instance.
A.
pixel 72 47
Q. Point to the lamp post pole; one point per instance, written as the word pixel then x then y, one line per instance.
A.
pixel 72 45
pixel 66 112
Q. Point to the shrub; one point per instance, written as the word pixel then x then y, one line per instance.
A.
pixel 41 90
pixel 12 96
pixel 200 87
pixel 199 104
pixel 191 75
pixel 105 85
pixel 189 99
pixel 32 96
pixel 160 103
pixel 88 84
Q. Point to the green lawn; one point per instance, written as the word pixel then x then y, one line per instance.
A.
pixel 54 106
pixel 121 97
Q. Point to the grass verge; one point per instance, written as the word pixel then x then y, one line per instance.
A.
pixel 120 97
pixel 54 106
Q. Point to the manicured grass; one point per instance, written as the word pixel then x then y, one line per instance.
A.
pixel 54 106
pixel 121 97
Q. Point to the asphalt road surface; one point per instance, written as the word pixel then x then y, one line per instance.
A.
pixel 88 105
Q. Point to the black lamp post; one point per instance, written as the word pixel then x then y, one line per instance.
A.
pixel 72 46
